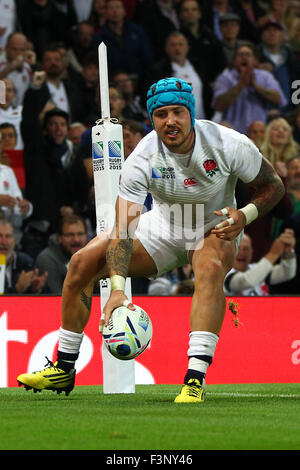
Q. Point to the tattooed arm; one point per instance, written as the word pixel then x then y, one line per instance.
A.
pixel 119 249
pixel 268 188
pixel 268 191
pixel 120 245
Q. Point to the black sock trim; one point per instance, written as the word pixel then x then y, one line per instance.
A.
pixel 194 374
pixel 67 356
pixel 204 358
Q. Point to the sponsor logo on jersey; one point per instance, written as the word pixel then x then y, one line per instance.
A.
pixel 210 166
pixel 189 182
pixel 163 172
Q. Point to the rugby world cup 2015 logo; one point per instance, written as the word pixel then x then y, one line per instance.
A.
pixel 114 149
pixel 97 150
pixel 163 172
pixel 114 154
pixel 98 160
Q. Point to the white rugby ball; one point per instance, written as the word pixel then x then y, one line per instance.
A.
pixel 128 332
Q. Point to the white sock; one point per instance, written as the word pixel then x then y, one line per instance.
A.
pixel 69 342
pixel 201 350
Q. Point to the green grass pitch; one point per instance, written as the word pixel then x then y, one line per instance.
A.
pixel 233 417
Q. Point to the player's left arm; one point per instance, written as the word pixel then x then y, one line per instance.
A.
pixel 119 251
pixel 268 191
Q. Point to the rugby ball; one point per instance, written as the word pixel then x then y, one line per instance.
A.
pixel 128 332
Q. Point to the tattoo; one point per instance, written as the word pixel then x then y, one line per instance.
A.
pixel 118 256
pixel 86 300
pixel 268 188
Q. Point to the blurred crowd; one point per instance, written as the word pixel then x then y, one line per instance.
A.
pixel 242 59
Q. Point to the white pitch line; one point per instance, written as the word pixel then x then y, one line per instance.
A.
pixel 260 395
pixel 233 394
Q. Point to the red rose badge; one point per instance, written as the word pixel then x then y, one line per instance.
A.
pixel 210 167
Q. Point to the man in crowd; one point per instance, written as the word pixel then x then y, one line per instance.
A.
pixel 244 93
pixel 21 276
pixel 71 237
pixel 254 279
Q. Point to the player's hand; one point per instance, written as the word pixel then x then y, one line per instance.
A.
pixel 38 78
pixel 232 224
pixel 7 201
pixel 117 299
pixel 23 205
pixel 288 239
pixel 30 57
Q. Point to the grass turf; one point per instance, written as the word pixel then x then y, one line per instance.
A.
pixel 233 417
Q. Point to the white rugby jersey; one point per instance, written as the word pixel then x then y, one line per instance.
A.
pixel 220 156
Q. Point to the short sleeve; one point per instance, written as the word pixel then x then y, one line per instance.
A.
pixel 133 185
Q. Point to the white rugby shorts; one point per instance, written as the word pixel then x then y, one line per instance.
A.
pixel 168 248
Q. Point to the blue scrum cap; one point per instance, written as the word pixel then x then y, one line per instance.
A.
pixel 171 91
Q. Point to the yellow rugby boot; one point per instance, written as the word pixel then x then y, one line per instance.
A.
pixel 192 392
pixel 50 378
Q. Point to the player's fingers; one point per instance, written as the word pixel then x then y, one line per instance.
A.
pixel 128 304
pixel 224 211
pixel 101 324
pixel 225 223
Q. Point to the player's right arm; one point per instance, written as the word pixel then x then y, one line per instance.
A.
pixel 119 250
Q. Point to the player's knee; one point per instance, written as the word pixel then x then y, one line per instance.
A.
pixel 209 270
pixel 77 271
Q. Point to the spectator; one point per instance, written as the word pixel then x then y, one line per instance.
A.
pixel 133 132
pixel 128 46
pixel 13 206
pixel 133 108
pixel 294 41
pixel 278 144
pixel 176 64
pixel 254 279
pixel 116 103
pixel 277 11
pixel 276 56
pixel 11 113
pixel 169 283
pixel 261 229
pixel 293 180
pixel 54 173
pixel 69 72
pixel 21 276
pixel 256 132
pixel 9 136
pixel 244 93
pixel 8 21
pixel 249 12
pixel 81 44
pixel 76 130
pixel 220 8
pixel 185 288
pixel 46 21
pixel 98 15
pixel 89 87
pixel 63 92
pixel 159 19
pixel 293 190
pixel 291 287
pixel 70 237
pixel 230 28
pixel 294 120
pixel 83 9
pixel 203 44
pixel 17 64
